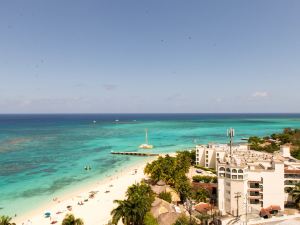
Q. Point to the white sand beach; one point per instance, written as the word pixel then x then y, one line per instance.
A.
pixel 95 211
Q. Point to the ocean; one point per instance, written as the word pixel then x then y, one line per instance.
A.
pixel 43 156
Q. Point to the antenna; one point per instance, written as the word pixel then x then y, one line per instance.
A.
pixel 230 134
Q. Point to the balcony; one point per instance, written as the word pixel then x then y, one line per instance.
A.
pixel 255 197
pixel 290 182
pixel 254 189
pixel 254 193
pixel 292 176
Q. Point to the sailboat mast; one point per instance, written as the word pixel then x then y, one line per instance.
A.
pixel 146 136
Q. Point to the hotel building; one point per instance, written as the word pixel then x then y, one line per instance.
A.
pixel 249 179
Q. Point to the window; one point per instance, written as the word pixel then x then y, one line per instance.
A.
pixel 217 154
pixel 222 169
pixel 228 175
pixel 234 171
pixel 228 184
pixel 206 152
pixel 240 177
pixel 234 176
pixel 221 174
pixel 228 170
pixel 254 185
pixel 240 171
pixel 254 201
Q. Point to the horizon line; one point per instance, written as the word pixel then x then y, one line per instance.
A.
pixel 108 113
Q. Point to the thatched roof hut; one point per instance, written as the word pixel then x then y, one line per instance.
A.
pixel 168 218
pixel 174 195
pixel 160 206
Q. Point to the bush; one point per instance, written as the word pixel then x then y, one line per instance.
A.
pixel 205 179
pixel 166 196
pixel 150 220
pixel 184 220
pixel 206 169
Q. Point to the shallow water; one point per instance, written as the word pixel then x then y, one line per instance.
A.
pixel 42 156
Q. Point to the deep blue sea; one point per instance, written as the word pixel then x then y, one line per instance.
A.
pixel 43 156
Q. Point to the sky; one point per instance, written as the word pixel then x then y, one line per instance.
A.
pixel 154 56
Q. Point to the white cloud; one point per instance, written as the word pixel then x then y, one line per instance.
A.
pixel 260 94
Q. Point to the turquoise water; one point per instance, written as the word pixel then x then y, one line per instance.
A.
pixel 43 156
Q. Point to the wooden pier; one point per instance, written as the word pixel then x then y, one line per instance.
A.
pixel 135 153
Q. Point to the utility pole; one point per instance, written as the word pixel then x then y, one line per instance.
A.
pixel 237 196
pixel 246 208
pixel 230 134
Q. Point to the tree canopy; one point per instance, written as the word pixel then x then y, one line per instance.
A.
pixel 71 220
pixel 6 220
pixel 133 210
pixel 172 171
pixel 271 143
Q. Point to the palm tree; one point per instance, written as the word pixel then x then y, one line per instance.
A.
pixel 129 211
pixel 295 192
pixel 141 190
pixel 201 195
pixel 5 220
pixel 132 211
pixel 71 220
pixel 122 211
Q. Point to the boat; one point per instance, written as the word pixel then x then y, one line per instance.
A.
pixel 94 121
pixel 146 145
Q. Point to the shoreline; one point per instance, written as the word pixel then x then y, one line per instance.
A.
pixel 95 211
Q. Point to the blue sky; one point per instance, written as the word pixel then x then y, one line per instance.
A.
pixel 149 56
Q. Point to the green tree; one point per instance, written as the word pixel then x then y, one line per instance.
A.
pixel 141 191
pixel 133 210
pixel 123 212
pixel 254 140
pixel 162 169
pixel 183 161
pixel 204 178
pixel 203 217
pixel 284 138
pixel 296 153
pixel 150 220
pixel 166 196
pixel 184 220
pixel 201 195
pixel 183 187
pixel 71 220
pixel 6 220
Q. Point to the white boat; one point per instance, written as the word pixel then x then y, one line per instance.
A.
pixel 146 145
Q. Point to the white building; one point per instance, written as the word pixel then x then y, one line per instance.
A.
pixel 259 185
pixel 209 155
pixel 249 179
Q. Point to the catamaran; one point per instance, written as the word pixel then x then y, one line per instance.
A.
pixel 146 145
